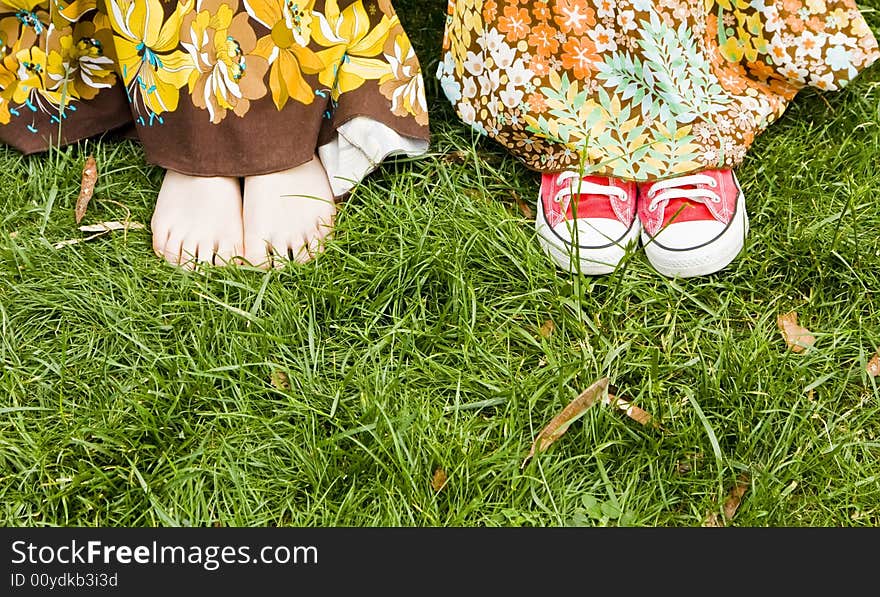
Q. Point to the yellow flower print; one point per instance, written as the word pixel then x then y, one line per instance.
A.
pixel 464 28
pixel 31 84
pixel 352 45
pixel 816 6
pixel 8 83
pixel 5 116
pixel 726 4
pixel 748 41
pixel 88 56
pixel 24 7
pixel 11 32
pixel 28 22
pixel 64 12
pixel 732 49
pixel 404 85
pixel 227 76
pixel 152 67
pixel 286 47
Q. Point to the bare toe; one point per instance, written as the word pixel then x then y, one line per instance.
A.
pixel 256 252
pixel 290 208
pixel 189 253
pixel 226 253
pixel 206 251
pixel 194 216
pixel 172 250
pixel 316 245
pixel 160 239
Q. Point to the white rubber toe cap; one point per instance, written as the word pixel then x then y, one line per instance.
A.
pixel 601 243
pixel 591 232
pixel 689 235
pixel 687 249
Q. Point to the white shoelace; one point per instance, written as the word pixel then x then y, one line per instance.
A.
pixel 666 190
pixel 583 187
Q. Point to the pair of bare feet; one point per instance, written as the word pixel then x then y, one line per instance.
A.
pixel 280 217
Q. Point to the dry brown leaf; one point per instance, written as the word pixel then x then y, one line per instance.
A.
pixel 455 157
pixel 112 225
pixel 713 520
pixel 547 329
pixel 100 230
pixel 731 503
pixel 280 380
pixel 797 338
pixel 734 498
pixel 87 187
pixel 559 424
pixel 524 208
pixel 438 481
pixel 693 462
pixel 75 241
pixel 631 410
pixel 873 367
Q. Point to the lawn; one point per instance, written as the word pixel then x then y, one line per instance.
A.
pixel 132 394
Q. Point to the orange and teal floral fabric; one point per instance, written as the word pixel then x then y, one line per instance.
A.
pixel 213 86
pixel 642 89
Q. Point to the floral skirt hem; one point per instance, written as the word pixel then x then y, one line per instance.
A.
pixel 642 89
pixel 213 87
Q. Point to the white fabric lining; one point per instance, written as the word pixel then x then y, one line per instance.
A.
pixel 360 145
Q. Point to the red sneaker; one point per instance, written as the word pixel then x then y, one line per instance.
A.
pixel 590 221
pixel 693 225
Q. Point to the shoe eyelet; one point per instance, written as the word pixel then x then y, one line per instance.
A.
pixel 713 183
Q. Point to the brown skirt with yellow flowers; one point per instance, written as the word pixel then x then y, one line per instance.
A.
pixel 216 87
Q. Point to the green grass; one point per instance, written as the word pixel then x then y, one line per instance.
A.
pixel 135 394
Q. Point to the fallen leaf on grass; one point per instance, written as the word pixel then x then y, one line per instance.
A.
pixel 731 503
pixel 455 157
pixel 87 187
pixel 524 208
pixel 100 230
pixel 734 498
pixel 797 338
pixel 547 329
pixel 111 226
pixel 438 481
pixel 559 424
pixel 712 520
pixel 629 409
pixel 873 367
pixel 693 463
pixel 280 380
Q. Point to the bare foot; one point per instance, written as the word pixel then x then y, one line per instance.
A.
pixel 287 215
pixel 198 220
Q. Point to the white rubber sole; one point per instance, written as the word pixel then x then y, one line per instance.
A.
pixel 706 259
pixel 589 261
